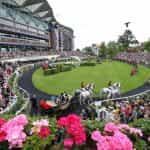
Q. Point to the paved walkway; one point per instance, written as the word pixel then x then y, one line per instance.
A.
pixel 25 82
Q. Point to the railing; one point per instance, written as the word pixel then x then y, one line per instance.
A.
pixel 24 42
pixel 24 94
pixel 133 97
pixel 11 29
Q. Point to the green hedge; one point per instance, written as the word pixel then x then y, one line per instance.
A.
pixel 88 64
pixel 59 68
pixel 66 68
pixel 50 71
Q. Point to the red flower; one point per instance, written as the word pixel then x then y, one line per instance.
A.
pixel 74 129
pixel 62 122
pixel 2 121
pixel 44 132
pixel 68 142
pixel 2 135
pixel 73 119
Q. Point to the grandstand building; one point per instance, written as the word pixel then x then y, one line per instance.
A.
pixel 31 25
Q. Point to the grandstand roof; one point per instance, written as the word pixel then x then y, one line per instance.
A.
pixel 38 8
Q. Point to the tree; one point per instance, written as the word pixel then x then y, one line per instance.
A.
pixel 127 39
pixel 103 50
pixel 88 50
pixel 146 45
pixel 112 48
pixel 78 50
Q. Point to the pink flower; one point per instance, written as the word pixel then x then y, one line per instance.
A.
pixel 2 135
pixel 16 137
pixel 110 127
pixel 74 128
pixel 44 132
pixel 80 139
pixel 21 120
pixel 62 122
pixel 77 132
pixel 2 121
pixel 38 124
pixel 148 139
pixel 42 122
pixel 73 119
pixel 68 143
pixel 14 131
pixel 123 126
pixel 118 141
pixel 96 135
pixel 136 131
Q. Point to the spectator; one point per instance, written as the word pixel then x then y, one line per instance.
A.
pixel 34 105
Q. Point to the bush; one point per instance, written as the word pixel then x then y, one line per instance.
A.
pixel 88 64
pixel 50 71
pixel 144 124
pixel 140 145
pixel 55 133
pixel 59 68
pixel 66 68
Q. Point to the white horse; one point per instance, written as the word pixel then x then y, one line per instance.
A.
pixel 116 90
pixel 85 93
pixel 111 91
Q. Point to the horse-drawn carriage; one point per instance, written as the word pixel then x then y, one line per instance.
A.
pixel 82 96
pixel 58 103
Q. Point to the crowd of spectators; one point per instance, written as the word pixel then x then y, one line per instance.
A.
pixel 65 54
pixel 123 111
pixel 20 54
pixel 7 96
pixel 141 57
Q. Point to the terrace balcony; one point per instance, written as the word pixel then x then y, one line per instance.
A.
pixel 21 42
pixel 26 30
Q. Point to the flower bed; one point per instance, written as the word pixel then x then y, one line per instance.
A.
pixel 71 132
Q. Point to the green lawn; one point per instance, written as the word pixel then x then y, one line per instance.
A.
pixel 100 75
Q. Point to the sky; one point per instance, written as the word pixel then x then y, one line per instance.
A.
pixel 94 21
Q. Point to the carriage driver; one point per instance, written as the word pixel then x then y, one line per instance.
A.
pixel 109 83
pixel 83 86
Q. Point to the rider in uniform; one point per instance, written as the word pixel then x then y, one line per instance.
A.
pixel 109 84
pixel 83 86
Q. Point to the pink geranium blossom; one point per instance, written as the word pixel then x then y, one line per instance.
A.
pixel 62 122
pixel 74 128
pixel 123 126
pixel 68 143
pixel 14 131
pixel 96 135
pixel 38 124
pixel 110 127
pixel 136 131
pixel 2 121
pixel 2 135
pixel 44 132
pixel 117 141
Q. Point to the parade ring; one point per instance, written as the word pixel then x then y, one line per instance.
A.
pixel 43 87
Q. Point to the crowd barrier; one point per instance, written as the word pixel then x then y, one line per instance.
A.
pixel 24 94
pixel 133 97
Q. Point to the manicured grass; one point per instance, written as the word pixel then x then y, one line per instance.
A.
pixel 99 74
